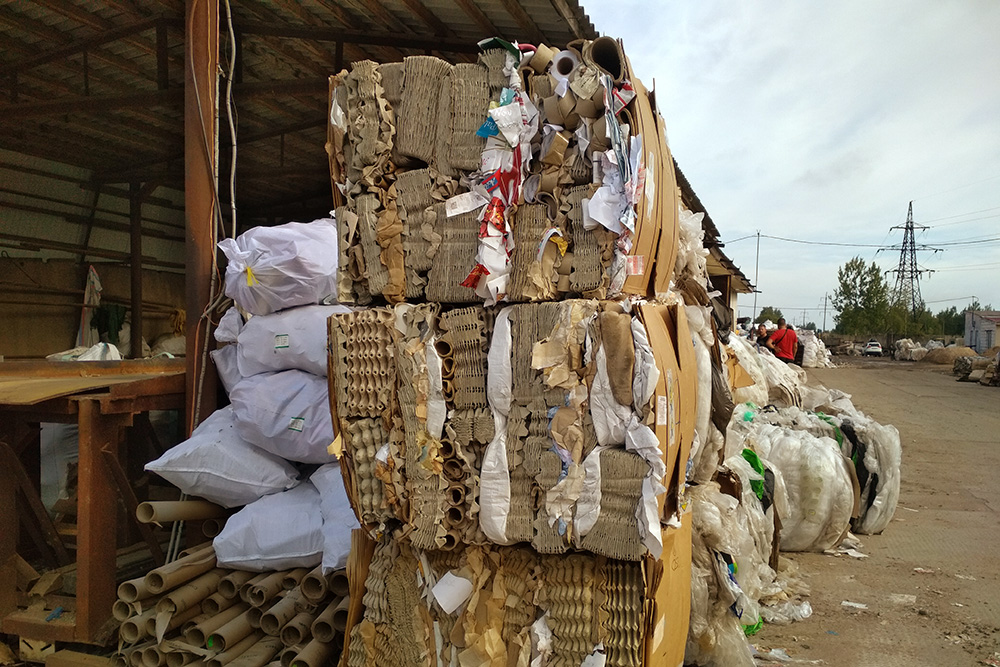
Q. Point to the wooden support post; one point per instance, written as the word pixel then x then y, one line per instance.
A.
pixel 135 267
pixel 128 498
pixel 201 56
pixel 96 518
pixel 9 530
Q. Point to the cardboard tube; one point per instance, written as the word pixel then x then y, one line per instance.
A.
pixel 178 510
pixel 322 627
pixel 133 590
pixel 564 63
pixel 190 594
pixel 196 621
pixel 281 613
pixel 606 54
pixel 182 570
pixel 230 634
pixel 293 578
pixel 256 613
pixel 232 582
pixel 340 614
pixel 121 610
pixel 314 585
pixel 339 584
pixel 448 367
pixel 453 517
pixel 118 660
pixel 152 656
pixel 238 649
pixel 180 658
pixel 259 654
pixel 133 654
pixel 289 653
pixel 134 628
pixel 212 527
pixel 443 346
pixel 176 620
pixel 446 449
pixel 453 470
pixel 563 284
pixel 266 589
pixel 249 584
pixel 315 654
pixel 447 390
pixel 198 635
pixel 451 539
pixel 456 495
pixel 216 602
pixel 297 630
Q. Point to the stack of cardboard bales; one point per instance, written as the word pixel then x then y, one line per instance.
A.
pixel 516 403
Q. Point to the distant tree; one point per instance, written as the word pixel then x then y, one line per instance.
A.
pixel 810 326
pixel 951 321
pixel 768 313
pixel 862 298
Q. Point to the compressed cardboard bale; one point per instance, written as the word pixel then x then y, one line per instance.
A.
pixel 567 594
pixel 376 272
pixel 547 539
pixel 592 251
pixel 495 60
pixel 622 586
pixel 455 258
pixel 470 100
pixel 616 532
pixel 414 190
pixel 530 280
pixel 362 347
pixel 465 329
pixel 370 126
pixel 363 438
pixel 416 119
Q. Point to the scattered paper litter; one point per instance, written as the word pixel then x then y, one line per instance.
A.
pixel 923 570
pixel 902 598
pixel 965 577
pixel 853 605
pixel 451 591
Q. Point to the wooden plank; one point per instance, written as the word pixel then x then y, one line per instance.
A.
pixel 42 520
pixel 96 520
pixel 31 623
pixel 30 390
pixel 39 368
pixel 66 658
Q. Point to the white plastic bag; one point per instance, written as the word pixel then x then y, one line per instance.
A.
pixel 226 366
pixel 216 464
pixel 278 532
pixel 229 326
pixel 338 517
pixel 286 413
pixel 293 338
pixel 271 268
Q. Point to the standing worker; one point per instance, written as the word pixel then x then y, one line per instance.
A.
pixel 784 342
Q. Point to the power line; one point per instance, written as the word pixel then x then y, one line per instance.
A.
pixel 960 187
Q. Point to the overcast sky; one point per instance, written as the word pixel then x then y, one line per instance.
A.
pixel 821 121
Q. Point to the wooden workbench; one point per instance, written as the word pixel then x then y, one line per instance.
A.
pixel 102 398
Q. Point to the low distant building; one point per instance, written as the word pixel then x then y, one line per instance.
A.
pixel 981 329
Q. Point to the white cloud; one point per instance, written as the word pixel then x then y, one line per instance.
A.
pixel 821 121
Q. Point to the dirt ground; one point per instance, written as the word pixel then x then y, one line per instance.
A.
pixel 943 545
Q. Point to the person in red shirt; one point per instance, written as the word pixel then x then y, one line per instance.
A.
pixel 784 342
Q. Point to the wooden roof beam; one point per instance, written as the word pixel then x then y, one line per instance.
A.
pixel 476 14
pixel 169 97
pixel 525 22
pixel 326 34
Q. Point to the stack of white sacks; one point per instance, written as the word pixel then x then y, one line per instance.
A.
pixel 268 450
